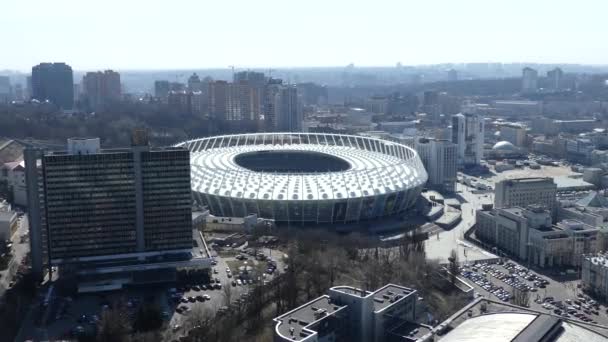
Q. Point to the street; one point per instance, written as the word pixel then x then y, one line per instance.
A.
pixel 19 250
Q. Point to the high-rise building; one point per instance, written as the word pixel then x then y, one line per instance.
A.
pixel 555 78
pixel 271 91
pixel 194 83
pixel 53 82
pixel 287 112
pixel 5 89
pixel 218 99
pixel 468 135
pixel 439 159
pixel 523 192
pixel 161 90
pixel 115 209
pixel 529 81
pixel 252 77
pixel 101 88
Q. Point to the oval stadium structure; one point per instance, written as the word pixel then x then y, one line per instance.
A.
pixel 304 178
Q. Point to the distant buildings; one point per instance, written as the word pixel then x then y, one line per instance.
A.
pixel 161 90
pixel 529 83
pixel 468 136
pixel 555 77
pixel 352 314
pixel 53 82
pixel 194 83
pixel 287 111
pixel 109 211
pixel 452 75
pixel 100 89
pixel 440 159
pixel 5 89
pixel 525 191
pixel 513 133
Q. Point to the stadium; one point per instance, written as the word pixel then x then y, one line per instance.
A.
pixel 304 178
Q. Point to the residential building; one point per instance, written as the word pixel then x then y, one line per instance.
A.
pixel 351 314
pixel 115 209
pixel 468 135
pixel 594 274
pixel 439 159
pixel 513 133
pixel 287 110
pixel 555 77
pixel 528 234
pixel 194 83
pixel 161 90
pixel 218 99
pixel 529 81
pixel 251 77
pixel 525 191
pixel 53 82
pixel 100 89
pixel 5 89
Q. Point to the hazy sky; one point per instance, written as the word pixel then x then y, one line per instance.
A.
pixel 159 34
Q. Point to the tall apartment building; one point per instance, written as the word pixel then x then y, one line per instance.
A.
pixel 525 191
pixel 287 111
pixel 555 77
pixel 53 82
pixel 529 82
pixel 218 99
pixel 194 83
pixel 89 206
pixel 5 89
pixel 252 77
pixel 101 88
pixel 468 135
pixel 161 90
pixel 439 159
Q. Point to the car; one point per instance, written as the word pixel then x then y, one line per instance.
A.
pixel 191 299
pixel 239 282
pixel 200 298
pixel 229 275
pixel 215 271
pixel 184 300
pixel 233 283
pixel 196 288
pixel 207 297
pixel 203 287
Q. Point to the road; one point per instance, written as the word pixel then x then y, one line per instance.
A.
pixel 20 249
pixel 440 245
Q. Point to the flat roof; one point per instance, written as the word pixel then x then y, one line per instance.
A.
pixel 293 324
pixel 499 327
pixel 389 295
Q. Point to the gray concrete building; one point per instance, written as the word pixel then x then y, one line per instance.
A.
pixel 439 158
pixel 126 207
pixel 525 191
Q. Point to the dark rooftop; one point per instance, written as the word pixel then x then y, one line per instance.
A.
pixel 294 322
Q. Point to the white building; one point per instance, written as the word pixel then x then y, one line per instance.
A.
pixel 351 314
pixel 595 274
pixel 529 82
pixel 529 235
pixel 467 135
pixel 525 191
pixel 439 158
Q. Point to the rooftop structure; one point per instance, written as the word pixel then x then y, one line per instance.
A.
pixel 352 314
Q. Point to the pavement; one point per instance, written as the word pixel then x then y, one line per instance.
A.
pixel 440 245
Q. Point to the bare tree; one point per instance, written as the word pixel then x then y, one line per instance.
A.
pixel 113 325
pixel 520 297
pixel 453 267
pixel 227 292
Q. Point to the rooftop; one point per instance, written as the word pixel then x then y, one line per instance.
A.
pixel 295 322
pixel 389 295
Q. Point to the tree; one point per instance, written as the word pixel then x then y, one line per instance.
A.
pixel 227 292
pixel 148 317
pixel 520 297
pixel 113 325
pixel 453 267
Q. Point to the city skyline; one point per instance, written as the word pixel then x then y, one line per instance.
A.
pixel 143 37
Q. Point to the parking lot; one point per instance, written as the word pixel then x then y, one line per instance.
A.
pixel 504 281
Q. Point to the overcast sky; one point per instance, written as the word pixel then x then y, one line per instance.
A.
pixel 164 34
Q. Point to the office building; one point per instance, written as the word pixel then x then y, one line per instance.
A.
pixel 109 211
pixel 513 133
pixel 161 90
pixel 525 191
pixel 594 274
pixel 354 315
pixel 439 159
pixel 529 82
pixel 468 135
pixel 53 82
pixel 528 234
pixel 101 89
pixel 555 77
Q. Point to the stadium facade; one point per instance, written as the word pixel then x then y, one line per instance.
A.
pixel 304 178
